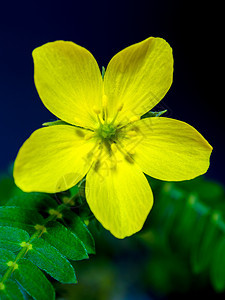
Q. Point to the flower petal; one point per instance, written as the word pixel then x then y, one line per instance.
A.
pixel 53 159
pixel 68 81
pixel 139 76
pixel 118 194
pixel 169 149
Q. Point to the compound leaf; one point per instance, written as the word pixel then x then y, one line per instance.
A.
pixel 65 241
pixel 20 218
pixel 5 257
pixel 36 201
pixel 33 281
pixel 11 291
pixel 77 226
pixel 217 272
pixel 51 261
pixel 11 238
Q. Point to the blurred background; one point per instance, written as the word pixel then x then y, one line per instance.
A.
pixel 192 28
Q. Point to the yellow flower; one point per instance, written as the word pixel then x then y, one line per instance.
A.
pixel 102 134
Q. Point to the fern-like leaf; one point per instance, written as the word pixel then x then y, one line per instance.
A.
pixel 37 233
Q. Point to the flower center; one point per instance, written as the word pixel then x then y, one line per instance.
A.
pixel 107 131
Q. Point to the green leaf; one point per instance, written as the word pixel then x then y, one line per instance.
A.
pixel 74 190
pixel 51 261
pixel 11 291
pixel 151 114
pixel 200 208
pixel 65 241
pixel 217 272
pixel 103 72
pixel 5 257
pixel 20 218
pixel 206 189
pixel 170 205
pixel 7 189
pixel 204 243
pixel 33 281
pixel 77 226
pixel 211 190
pixel 37 201
pixel 57 122
pixel 11 238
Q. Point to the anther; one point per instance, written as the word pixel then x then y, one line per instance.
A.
pixel 96 110
pixel 130 151
pixel 129 159
pixel 113 164
pixel 88 136
pixel 113 147
pixel 120 107
pixel 134 119
pixel 97 153
pixel 131 133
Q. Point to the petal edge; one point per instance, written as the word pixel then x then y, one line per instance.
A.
pixel 169 149
pixel 68 81
pixel 53 159
pixel 119 195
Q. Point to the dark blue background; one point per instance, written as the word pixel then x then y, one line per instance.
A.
pixel 105 27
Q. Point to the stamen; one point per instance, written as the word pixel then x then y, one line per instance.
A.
pixel 113 163
pixel 130 151
pixel 120 107
pixel 100 122
pixel 129 159
pixel 97 153
pixel 92 153
pixel 131 133
pixel 88 136
pixel 96 110
pixel 126 154
pixel 113 147
pixel 134 119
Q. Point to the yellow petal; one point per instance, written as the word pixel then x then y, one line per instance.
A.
pixel 139 76
pixel 118 194
pixel 53 159
pixel 169 149
pixel 68 81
